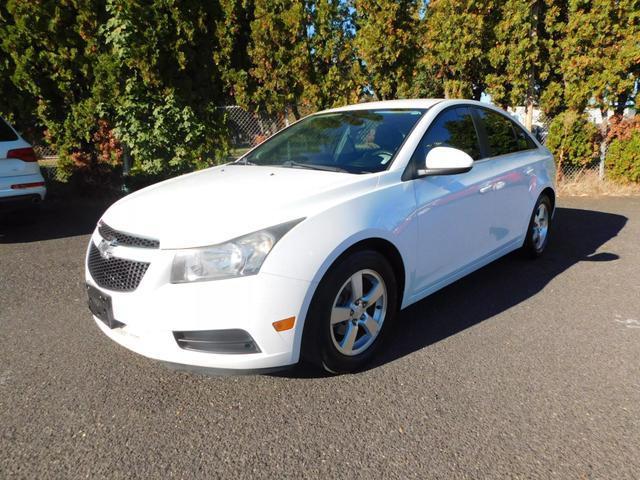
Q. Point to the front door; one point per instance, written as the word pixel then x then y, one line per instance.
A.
pixel 455 212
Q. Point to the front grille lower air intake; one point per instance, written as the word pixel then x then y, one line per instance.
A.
pixel 113 273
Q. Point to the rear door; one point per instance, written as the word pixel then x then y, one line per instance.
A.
pixel 511 154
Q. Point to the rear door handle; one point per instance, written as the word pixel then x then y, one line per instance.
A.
pixel 499 185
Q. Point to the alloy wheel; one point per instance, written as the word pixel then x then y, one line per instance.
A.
pixel 358 312
pixel 540 226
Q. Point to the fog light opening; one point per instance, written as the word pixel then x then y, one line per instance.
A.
pixel 232 341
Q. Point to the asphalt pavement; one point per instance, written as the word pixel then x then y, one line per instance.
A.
pixel 525 369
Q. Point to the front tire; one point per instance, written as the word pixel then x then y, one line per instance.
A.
pixel 539 228
pixel 351 313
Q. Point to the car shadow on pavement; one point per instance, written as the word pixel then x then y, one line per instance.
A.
pixel 576 237
pixel 55 219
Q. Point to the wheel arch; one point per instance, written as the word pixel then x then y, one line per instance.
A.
pixel 552 196
pixel 381 245
pixel 386 249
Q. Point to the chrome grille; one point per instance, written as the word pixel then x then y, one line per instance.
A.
pixel 115 273
pixel 126 239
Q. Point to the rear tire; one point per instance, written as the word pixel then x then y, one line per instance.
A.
pixel 351 313
pixel 539 228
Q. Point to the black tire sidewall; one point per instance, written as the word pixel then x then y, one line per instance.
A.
pixel 530 248
pixel 318 346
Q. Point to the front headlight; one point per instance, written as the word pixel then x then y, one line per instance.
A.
pixel 235 258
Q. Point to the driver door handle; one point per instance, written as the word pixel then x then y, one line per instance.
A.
pixel 486 188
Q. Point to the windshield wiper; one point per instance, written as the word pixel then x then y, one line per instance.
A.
pixel 243 161
pixel 310 166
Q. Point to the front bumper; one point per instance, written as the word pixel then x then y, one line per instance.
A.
pixel 157 308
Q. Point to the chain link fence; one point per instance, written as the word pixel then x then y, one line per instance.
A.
pixel 247 129
pixel 569 173
pixel 45 152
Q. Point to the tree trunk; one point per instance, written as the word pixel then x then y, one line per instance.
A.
pixel 528 117
pixel 296 112
pixel 604 127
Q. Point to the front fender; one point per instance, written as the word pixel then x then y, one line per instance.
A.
pixel 311 247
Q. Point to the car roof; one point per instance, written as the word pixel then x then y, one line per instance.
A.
pixel 419 103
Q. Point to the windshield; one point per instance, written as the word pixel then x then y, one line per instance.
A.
pixel 361 141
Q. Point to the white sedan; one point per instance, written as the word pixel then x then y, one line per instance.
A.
pixel 309 245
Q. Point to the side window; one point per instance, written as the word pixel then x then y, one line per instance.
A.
pixel 6 134
pixel 452 128
pixel 522 139
pixel 501 137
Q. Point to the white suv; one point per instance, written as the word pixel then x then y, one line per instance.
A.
pixel 21 183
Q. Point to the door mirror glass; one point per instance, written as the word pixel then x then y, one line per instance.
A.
pixel 446 161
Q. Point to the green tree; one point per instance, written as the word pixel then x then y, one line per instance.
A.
pixel 573 140
pixel 17 105
pixel 387 42
pixel 54 46
pixel 523 55
pixel 300 54
pixel 601 55
pixel 601 58
pixel 164 84
pixel 553 32
pixel 279 54
pixel 336 76
pixel 458 35
pixel 234 34
pixel 623 158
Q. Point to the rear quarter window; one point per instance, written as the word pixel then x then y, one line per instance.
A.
pixel 6 132
pixel 523 140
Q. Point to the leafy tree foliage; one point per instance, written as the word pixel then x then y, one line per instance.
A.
pixel 387 43
pixel 573 140
pixel 300 54
pixel 551 92
pixel 623 155
pixel 601 60
pixel 234 33
pixel 165 85
pixel 53 45
pixel 457 36
pixel 524 57
pixel 336 74
pixel 17 106
pixel 278 50
pixel 623 158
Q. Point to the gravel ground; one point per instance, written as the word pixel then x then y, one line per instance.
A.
pixel 522 370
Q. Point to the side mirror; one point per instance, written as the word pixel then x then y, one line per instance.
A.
pixel 445 161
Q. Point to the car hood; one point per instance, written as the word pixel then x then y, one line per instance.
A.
pixel 221 203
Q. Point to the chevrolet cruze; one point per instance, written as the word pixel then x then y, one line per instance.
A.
pixel 309 245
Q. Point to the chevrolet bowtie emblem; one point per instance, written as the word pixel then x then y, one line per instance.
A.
pixel 105 247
